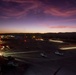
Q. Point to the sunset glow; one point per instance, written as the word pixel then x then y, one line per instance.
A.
pixel 37 16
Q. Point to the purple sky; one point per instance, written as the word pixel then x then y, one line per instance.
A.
pixel 37 16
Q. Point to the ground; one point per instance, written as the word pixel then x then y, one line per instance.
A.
pixel 28 53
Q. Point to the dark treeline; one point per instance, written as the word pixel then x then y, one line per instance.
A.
pixel 67 37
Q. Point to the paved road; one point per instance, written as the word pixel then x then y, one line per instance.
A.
pixel 52 65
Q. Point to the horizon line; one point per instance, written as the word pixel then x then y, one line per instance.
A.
pixel 33 32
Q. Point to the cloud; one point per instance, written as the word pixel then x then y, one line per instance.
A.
pixel 62 26
pixel 20 1
pixel 61 8
pixel 16 8
pixel 60 12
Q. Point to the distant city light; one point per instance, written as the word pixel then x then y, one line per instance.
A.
pixel 2 36
pixel 33 37
pixel 39 39
pixel 24 40
pixel 58 41
pixel 0 42
pixel 12 36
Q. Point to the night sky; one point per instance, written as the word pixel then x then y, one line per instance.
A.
pixel 37 16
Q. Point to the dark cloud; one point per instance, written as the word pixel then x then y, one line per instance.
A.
pixel 18 8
